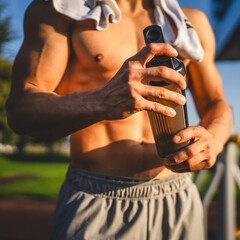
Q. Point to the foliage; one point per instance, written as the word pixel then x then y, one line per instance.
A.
pixel 5 71
pixel 6 134
pixel 5 30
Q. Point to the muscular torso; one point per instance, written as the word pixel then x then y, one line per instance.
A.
pixel 121 147
pixel 67 76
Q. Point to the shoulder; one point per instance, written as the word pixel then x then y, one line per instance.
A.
pixel 194 14
pixel 42 13
pixel 198 18
pixel 202 26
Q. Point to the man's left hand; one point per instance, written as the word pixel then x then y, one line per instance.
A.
pixel 199 155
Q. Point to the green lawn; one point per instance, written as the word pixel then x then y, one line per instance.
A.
pixel 33 176
pixel 41 175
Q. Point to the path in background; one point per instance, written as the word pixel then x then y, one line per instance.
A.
pixel 25 219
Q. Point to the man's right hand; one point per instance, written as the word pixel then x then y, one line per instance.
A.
pixel 126 93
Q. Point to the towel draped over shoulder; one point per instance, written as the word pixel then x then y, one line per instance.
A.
pixel 104 11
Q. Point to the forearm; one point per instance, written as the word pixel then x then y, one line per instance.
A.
pixel 34 109
pixel 218 122
pixel 48 115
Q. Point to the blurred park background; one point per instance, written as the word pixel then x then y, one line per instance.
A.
pixel 32 170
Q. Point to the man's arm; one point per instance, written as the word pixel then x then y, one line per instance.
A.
pixel 34 109
pixel 206 88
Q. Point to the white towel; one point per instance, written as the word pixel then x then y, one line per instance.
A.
pixel 104 11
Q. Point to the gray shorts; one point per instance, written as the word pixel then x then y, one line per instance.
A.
pixel 94 206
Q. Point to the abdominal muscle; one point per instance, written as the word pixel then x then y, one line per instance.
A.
pixel 120 148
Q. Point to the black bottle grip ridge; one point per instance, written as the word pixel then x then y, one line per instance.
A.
pixel 163 127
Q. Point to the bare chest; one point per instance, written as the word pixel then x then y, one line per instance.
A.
pixel 111 47
pixel 98 55
pixel 104 50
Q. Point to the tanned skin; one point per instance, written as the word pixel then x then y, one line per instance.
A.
pixel 69 79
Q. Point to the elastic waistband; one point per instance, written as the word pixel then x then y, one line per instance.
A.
pixel 124 187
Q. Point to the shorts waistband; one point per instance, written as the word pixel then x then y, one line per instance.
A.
pixel 124 187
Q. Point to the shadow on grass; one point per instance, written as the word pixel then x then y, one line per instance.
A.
pixel 16 177
pixel 38 157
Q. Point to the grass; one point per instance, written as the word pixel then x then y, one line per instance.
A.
pixel 39 175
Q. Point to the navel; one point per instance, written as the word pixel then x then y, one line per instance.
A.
pixel 99 57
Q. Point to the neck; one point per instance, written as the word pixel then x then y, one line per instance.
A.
pixel 135 6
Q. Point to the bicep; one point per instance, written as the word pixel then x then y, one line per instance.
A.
pixel 44 54
pixel 206 82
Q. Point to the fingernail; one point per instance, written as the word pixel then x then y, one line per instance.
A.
pixel 182 100
pixel 175 51
pixel 172 112
pixel 177 139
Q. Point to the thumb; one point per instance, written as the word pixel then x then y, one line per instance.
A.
pixel 152 49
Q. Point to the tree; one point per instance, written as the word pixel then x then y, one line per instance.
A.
pixel 6 34
pixel 5 73
pixel 6 134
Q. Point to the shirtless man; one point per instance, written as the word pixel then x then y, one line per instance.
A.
pixel 70 79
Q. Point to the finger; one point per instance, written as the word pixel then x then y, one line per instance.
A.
pixel 180 167
pixel 192 164
pixel 203 165
pixel 187 153
pixel 188 134
pixel 159 108
pixel 149 51
pixel 162 94
pixel 162 73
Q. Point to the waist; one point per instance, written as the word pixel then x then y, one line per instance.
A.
pixel 123 158
pixel 123 187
